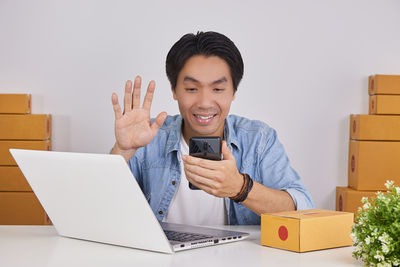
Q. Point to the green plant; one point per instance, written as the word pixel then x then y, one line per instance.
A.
pixel 376 232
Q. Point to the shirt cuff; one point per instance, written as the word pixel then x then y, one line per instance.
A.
pixel 300 199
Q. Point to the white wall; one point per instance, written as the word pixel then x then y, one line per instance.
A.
pixel 306 66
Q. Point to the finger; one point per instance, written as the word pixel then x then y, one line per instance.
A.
pixel 205 163
pixel 226 152
pixel 116 106
pixel 199 181
pixel 196 169
pixel 148 98
pixel 208 186
pixel 136 92
pixel 128 96
pixel 158 122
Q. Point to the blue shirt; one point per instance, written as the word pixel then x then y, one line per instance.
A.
pixel 255 147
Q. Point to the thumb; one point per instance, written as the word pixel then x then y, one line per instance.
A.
pixel 158 121
pixel 226 151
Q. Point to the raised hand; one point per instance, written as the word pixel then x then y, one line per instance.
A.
pixel 133 128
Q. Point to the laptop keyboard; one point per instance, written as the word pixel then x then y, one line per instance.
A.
pixel 184 237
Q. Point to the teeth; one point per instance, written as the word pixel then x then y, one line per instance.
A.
pixel 204 118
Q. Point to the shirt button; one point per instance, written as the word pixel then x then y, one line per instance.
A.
pixel 173 182
pixel 160 212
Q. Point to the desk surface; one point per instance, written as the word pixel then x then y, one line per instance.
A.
pixel 41 246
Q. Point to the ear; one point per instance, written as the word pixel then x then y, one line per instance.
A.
pixel 173 93
pixel 234 95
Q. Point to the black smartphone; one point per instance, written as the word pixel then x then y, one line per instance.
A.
pixel 205 147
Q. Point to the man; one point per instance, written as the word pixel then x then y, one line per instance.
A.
pixel 254 176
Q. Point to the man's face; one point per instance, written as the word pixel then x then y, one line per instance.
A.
pixel 204 92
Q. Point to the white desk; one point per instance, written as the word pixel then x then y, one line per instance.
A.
pixel 41 246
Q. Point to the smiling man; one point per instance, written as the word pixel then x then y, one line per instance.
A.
pixel 254 175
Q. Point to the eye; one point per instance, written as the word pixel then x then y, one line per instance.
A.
pixel 218 89
pixel 190 89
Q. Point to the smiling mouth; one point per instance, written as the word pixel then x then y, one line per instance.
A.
pixel 204 119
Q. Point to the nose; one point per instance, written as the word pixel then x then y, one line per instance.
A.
pixel 205 99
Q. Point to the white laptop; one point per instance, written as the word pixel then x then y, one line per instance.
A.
pixel 95 197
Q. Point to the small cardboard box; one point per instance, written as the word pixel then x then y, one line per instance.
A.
pixel 5 145
pixel 384 85
pixel 15 103
pixel 349 200
pixel 372 163
pixel 12 179
pixel 375 127
pixel 25 127
pixel 384 105
pixel 21 208
pixel 306 230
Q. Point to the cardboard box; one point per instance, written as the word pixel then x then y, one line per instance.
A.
pixel 15 103
pixel 306 230
pixel 384 105
pixel 372 163
pixel 349 200
pixel 5 145
pixel 12 179
pixel 384 85
pixel 21 208
pixel 25 127
pixel 375 127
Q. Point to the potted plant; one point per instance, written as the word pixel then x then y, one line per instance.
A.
pixel 376 232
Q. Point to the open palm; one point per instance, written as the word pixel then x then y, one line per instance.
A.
pixel 133 128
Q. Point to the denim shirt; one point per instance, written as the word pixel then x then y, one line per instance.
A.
pixel 255 147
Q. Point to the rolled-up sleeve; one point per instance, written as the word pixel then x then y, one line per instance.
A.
pixel 301 199
pixel 276 172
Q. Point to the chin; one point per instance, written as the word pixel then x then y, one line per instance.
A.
pixel 204 132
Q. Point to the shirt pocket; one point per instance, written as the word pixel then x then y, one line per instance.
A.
pixel 157 178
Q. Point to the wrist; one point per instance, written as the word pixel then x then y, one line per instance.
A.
pixel 126 153
pixel 240 185
pixel 244 191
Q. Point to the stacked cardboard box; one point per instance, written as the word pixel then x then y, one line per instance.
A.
pixel 20 129
pixel 374 147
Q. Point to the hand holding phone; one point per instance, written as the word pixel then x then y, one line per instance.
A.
pixel 205 147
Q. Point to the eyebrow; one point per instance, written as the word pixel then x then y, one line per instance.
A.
pixel 191 79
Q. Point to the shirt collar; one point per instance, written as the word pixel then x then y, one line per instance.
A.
pixel 230 133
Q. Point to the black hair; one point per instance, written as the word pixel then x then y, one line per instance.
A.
pixel 207 44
